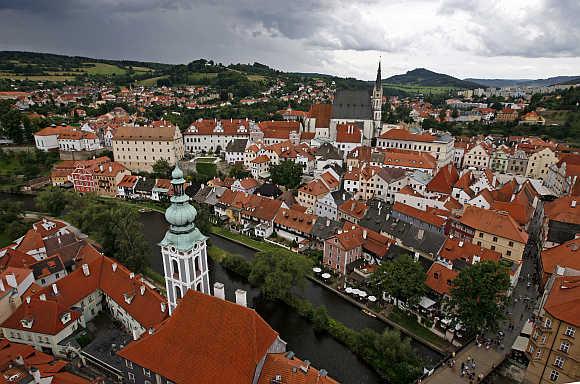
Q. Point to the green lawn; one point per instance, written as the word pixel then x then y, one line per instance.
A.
pixel 152 81
pixel 406 321
pixel 256 244
pixel 102 69
pixel 419 89
pixel 256 77
pixel 142 69
pixel 197 76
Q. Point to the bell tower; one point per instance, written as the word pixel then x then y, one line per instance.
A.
pixel 377 101
pixel 184 247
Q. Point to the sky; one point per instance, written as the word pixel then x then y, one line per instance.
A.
pixel 462 38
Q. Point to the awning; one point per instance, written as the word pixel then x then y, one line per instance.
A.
pixel 527 329
pixel 426 302
pixel 521 344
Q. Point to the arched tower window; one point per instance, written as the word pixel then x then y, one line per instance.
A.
pixel 175 269
pixel 178 294
pixel 198 287
pixel 197 266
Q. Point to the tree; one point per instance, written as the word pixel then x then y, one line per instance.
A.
pixel 403 279
pixel 238 171
pixel 287 173
pixel 12 225
pixel 391 355
pixel 162 169
pixel 53 201
pixel 320 319
pixel 277 272
pixel 478 295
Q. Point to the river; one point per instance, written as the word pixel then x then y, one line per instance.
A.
pixel 323 351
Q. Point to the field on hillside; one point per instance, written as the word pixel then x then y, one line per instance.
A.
pixel 102 69
pixel 555 116
pixel 416 89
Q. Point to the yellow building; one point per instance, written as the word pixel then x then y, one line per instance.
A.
pixel 552 350
pixel 495 230
pixel 539 162
pixel 138 148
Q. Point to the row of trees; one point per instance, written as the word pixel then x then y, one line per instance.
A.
pixel 477 296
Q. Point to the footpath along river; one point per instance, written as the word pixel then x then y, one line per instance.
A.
pixel 322 350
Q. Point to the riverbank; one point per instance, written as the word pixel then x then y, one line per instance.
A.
pixel 435 343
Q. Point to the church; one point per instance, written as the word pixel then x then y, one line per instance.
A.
pixel 359 107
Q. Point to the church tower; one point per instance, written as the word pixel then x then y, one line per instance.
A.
pixel 377 101
pixel 183 248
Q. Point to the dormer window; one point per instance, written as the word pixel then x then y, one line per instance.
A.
pixel 65 318
pixel 27 323
pixel 128 297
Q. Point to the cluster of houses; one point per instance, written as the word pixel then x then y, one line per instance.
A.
pixel 55 285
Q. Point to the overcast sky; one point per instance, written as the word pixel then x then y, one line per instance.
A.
pixel 463 38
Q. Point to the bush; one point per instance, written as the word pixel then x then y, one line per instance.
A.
pixel 206 169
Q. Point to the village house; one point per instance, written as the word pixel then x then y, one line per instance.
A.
pixel 439 146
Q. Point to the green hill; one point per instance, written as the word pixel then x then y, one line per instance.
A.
pixel 422 77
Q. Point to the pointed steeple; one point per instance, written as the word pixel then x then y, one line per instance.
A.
pixel 378 81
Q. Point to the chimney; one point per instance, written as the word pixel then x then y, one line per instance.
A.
pixel 460 244
pixel 344 197
pixel 304 368
pixel 142 290
pixel 101 167
pixel 35 373
pixel 42 297
pixel 573 204
pixel 219 291
pixel 328 222
pixel 27 299
pixel 364 234
pixel 131 275
pixel 19 360
pixel 163 307
pixel 54 289
pixel 241 297
pixel 110 168
pixel 11 280
pixel 114 266
pixel 86 270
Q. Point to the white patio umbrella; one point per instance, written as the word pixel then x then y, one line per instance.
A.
pixel 372 299
pixel 316 270
pixel 326 275
pixel 348 290
pixel 355 291
pixel 362 294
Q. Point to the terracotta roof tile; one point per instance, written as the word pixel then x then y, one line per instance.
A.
pixel 440 278
pixel 289 369
pixel 179 348
pixel 496 223
pixel 564 300
pixel 299 221
pixel 565 255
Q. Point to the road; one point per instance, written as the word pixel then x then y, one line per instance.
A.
pixel 519 310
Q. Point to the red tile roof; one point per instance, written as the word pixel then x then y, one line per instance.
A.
pixel 229 127
pixel 454 249
pixel 444 180
pixel 409 159
pixel 128 181
pixel 224 344
pixel 564 300
pixel 565 209
pixel 565 255
pixel 440 278
pixel 289 369
pixel 44 315
pixel 402 134
pixel 348 133
pixel 32 241
pixel 48 227
pixel 424 216
pixel 322 113
pixel 353 208
pixel 299 221
pixel 496 223
pixel 314 188
pixel 278 129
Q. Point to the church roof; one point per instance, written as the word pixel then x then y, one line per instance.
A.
pixel 352 104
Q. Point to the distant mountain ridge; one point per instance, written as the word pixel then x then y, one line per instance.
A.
pixel 523 82
pixel 426 78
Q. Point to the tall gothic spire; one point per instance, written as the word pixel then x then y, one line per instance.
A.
pixel 378 81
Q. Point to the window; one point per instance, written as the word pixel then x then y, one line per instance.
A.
pixel 128 364
pixel 495 239
pixel 146 372
pixel 543 339
pixel 481 235
pixel 565 346
pixel 554 375
pixel 131 377
pixel 539 354
pixel 570 331
pixel 559 362
pixel 509 253
pixel 511 243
